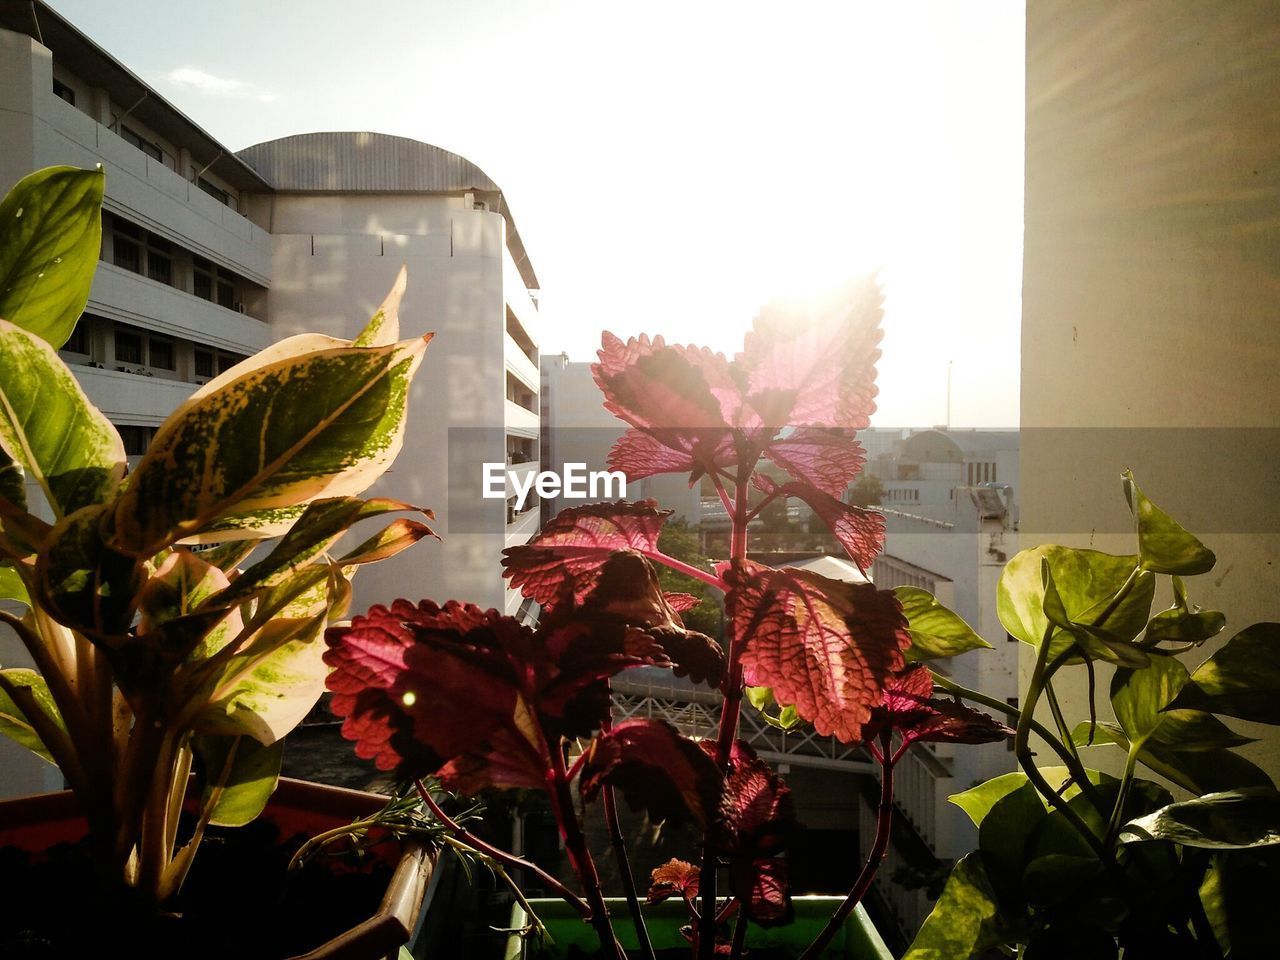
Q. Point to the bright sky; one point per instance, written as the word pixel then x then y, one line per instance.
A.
pixel 672 165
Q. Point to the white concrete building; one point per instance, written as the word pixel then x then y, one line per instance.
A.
pixel 951 525
pixel 209 256
pixel 578 429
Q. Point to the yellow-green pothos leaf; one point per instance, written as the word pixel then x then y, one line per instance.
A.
pixel 1163 545
pixel 1138 697
pixel 15 724
pixel 49 427
pixel 240 775
pixel 11 585
pixel 1242 679
pixel 324 424
pixel 935 630
pixel 1085 581
pixel 50 240
pixel 1230 820
pixel 384 326
pixel 965 921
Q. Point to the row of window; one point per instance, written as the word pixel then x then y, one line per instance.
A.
pixel 147 146
pixel 981 473
pixel 150 255
pixel 134 347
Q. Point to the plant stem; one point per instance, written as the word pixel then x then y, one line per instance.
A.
pixel 879 846
pixel 1122 794
pixel 739 936
pixel 575 845
pixel 489 850
pixel 729 711
pixel 1072 763
pixel 1026 759
pixel 624 869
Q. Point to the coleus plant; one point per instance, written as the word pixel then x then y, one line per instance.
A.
pixel 479 700
pixel 159 650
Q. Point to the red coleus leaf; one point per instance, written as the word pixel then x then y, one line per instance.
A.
pixel 675 878
pixel 828 459
pixel 814 365
pixel 639 455
pixel 756 813
pixel 682 602
pixel 421 685
pixel 593 559
pixel 910 708
pixel 860 532
pixel 826 646
pixel 762 886
pixel 656 769
pixel 569 552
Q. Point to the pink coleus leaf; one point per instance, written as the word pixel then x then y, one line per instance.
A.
pixel 639 455
pixel 860 532
pixel 825 646
pixel 570 551
pixel 826 458
pixel 814 364
pixel 682 602
pixel 910 709
pixel 675 878
pixel 657 770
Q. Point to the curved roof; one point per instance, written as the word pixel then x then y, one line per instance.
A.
pixel 363 162
pixel 932 446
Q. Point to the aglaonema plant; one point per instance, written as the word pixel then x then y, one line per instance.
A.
pixel 1072 862
pixel 479 700
pixel 155 655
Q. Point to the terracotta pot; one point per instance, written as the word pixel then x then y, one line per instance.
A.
pixel 37 823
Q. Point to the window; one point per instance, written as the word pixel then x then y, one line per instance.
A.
pixel 78 342
pixel 204 273
pixel 204 364
pixel 216 192
pixel 136 439
pixel 64 92
pixel 142 143
pixel 160 353
pixel 126 250
pixel 226 290
pixel 128 344
pixel 228 360
pixel 159 259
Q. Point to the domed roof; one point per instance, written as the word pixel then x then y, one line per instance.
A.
pixel 362 162
pixel 352 162
pixel 931 446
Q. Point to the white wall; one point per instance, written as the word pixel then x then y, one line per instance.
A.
pixel 1150 287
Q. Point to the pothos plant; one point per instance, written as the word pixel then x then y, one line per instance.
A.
pixel 1072 862
pixel 155 656
pixel 480 700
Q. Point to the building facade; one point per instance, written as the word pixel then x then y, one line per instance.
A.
pixel 209 256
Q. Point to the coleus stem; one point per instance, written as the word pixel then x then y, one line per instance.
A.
pixel 507 859
pixel 729 712
pixel 624 865
pixel 879 846
pixel 575 844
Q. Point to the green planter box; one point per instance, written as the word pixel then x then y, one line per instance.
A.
pixel 857 941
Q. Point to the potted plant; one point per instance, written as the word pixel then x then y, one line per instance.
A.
pixel 1072 862
pixel 478 700
pixel 166 676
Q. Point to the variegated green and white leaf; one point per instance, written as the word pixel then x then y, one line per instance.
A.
pixel 49 427
pixel 179 587
pixel 324 424
pixel 269 687
pixel 384 326
pixel 386 543
pixel 240 774
pixel 50 240
pixel 13 483
pixel 15 724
